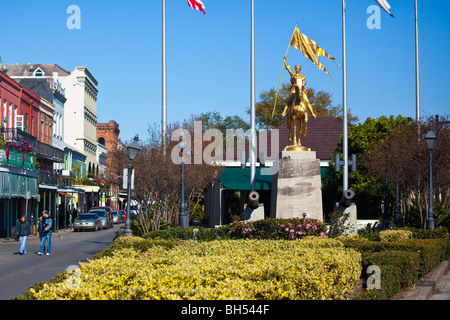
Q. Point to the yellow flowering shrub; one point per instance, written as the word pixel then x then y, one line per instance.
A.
pixel 317 268
pixel 395 235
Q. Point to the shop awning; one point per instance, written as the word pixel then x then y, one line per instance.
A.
pixel 16 186
pixel 236 178
pixel 68 195
pixel 88 188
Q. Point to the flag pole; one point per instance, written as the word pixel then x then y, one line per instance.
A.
pixel 344 76
pixel 164 79
pixel 252 103
pixel 417 65
pixel 282 69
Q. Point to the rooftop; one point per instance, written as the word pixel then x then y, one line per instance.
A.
pixel 29 70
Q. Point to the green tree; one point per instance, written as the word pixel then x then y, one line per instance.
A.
pixel 369 190
pixel 320 101
pixel 214 119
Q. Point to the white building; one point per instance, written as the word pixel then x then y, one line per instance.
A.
pixel 81 112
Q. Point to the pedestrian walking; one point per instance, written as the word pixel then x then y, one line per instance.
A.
pixel 45 233
pixel 23 230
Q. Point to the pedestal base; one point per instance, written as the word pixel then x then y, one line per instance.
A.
pixel 254 214
pixel 352 223
pixel 296 188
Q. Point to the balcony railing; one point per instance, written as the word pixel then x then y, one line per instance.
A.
pixel 17 135
pixel 54 178
pixel 15 158
pixel 49 151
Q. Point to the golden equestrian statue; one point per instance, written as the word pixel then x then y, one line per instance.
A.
pixel 297 108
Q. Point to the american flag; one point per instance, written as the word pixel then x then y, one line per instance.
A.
pixel 197 5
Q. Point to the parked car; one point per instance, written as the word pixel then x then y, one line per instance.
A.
pixel 108 209
pixel 124 214
pixel 87 221
pixel 105 217
pixel 117 217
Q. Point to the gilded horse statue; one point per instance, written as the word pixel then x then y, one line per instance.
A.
pixel 297 108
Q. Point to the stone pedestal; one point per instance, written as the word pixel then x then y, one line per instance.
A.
pixel 352 222
pixel 296 188
pixel 254 214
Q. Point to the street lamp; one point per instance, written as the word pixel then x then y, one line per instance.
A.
pixel 133 152
pixel 184 215
pixel 430 140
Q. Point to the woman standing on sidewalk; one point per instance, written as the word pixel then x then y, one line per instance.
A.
pixel 23 232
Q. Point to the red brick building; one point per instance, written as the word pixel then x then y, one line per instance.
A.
pixel 108 136
pixel 19 106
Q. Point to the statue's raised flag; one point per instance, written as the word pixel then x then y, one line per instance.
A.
pixel 309 48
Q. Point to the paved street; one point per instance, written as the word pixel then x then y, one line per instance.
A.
pixel 19 272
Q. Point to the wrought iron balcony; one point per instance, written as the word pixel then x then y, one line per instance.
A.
pixel 49 152
pixel 15 158
pixel 15 135
pixel 54 178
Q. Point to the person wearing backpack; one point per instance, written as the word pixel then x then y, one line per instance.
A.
pixel 45 233
pixel 23 230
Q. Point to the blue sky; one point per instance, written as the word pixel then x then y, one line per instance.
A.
pixel 208 56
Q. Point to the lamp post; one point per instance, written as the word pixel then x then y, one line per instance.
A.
pixel 430 140
pixel 133 152
pixel 184 215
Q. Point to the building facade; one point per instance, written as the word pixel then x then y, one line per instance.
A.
pixel 81 112
pixel 19 112
pixel 108 137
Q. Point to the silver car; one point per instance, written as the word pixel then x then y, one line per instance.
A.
pixel 87 221
pixel 117 217
pixel 105 217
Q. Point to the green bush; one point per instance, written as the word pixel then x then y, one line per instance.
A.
pixel 407 262
pixel 390 284
pixel 395 235
pixel 437 233
pixel 191 233
pixel 431 251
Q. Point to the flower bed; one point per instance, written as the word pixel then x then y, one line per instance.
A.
pixel 270 229
pixel 316 268
pixel 284 229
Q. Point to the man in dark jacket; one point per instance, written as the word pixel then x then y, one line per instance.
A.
pixel 45 233
pixel 23 230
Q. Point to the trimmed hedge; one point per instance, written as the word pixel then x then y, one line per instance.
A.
pixel 390 284
pixel 313 268
pixel 395 235
pixel 431 251
pixel 407 262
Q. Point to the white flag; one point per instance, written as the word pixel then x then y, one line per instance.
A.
pixel 385 6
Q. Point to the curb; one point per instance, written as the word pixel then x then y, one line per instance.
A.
pixel 425 287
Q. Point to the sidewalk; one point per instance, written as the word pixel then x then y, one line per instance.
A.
pixel 434 286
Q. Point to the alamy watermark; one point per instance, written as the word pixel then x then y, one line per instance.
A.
pixel 215 152
pixel 73 282
pixel 74 20
pixel 374 21
pixel 374 280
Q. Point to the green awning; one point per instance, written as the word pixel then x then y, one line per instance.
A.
pixel 238 179
pixel 16 186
